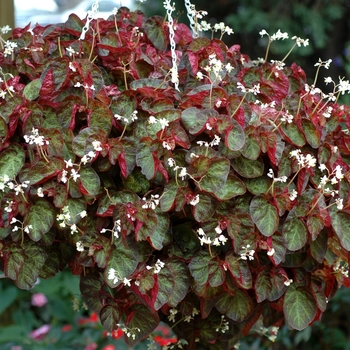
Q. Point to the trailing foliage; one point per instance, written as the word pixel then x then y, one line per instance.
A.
pixel 208 207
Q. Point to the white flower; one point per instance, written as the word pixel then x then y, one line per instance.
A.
pixel 152 120
pixel 71 51
pixel 271 251
pixel 183 173
pixel 73 229
pixel 127 282
pixel 27 228
pixel 171 317
pixel 339 202
pixel 288 282
pixel 322 167
pixel 5 29
pixel 82 214
pixel 69 163
pixel 293 195
pixel 40 192
pixel 158 266
pixel 75 175
pixel 113 275
pixel 96 145
pixel 166 145
pixel 171 162
pixel 80 246
pixel 195 200
pixel 199 75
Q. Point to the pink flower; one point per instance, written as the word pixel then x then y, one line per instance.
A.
pixel 39 299
pixel 39 333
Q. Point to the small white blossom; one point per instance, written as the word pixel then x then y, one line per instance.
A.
pixel 339 202
pixel 80 246
pixel 271 251
pixel 96 145
pixel 126 282
pixel 293 195
pixel 40 192
pixel 288 282
pixel 113 275
pixel 195 200
pixel 75 175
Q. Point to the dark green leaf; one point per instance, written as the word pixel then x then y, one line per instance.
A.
pixel 124 260
pixel 110 316
pixel 232 188
pixel 156 33
pixel 11 160
pixel 262 285
pixel 205 208
pixel 248 168
pixel 311 133
pixel 173 284
pixel 32 90
pixel 41 217
pixel 299 307
pixel 198 267
pixel 216 175
pixel 90 180
pixel 235 138
pixel 194 119
pixel 295 234
pixel 40 171
pixel 341 225
pixel 237 307
pixel 142 322
pixel 100 116
pixel 264 215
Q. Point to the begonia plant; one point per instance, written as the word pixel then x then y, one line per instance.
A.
pixel 183 181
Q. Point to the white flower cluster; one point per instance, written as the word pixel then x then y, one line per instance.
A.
pixel 276 36
pixel 270 333
pixel 12 185
pixel 35 138
pixel 115 230
pixel 130 119
pixel 333 178
pixel 287 117
pixel 74 174
pixel 114 276
pixel 204 239
pixel 254 90
pixel 26 228
pixel 247 253
pixel 9 48
pixel 183 172
pixel 162 121
pixel 172 315
pixel 271 175
pixel 307 161
pixel 86 86
pixel 343 268
pixel 157 266
pixel 152 203
pixel 214 142
pixel 215 68
pixel 65 218
pixel 224 325
pixel 204 26
pixel 5 29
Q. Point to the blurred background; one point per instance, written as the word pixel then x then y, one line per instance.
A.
pixel 53 309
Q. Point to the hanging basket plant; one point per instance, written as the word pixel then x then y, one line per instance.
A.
pixel 183 181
